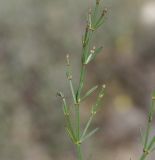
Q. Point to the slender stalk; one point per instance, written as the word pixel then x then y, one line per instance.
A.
pixel 79 153
pixel 78 122
pixel 148 144
pixel 81 82
pixel 87 49
pixel 72 90
pixel 69 125
pixel 87 125
pixel 69 77
pixel 77 105
pixel 147 132
pixel 143 156
pixel 88 55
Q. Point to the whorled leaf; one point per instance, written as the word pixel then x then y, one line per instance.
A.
pixel 89 92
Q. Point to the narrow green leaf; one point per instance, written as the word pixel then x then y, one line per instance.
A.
pixel 89 92
pixel 81 83
pixel 86 49
pixel 89 134
pixel 101 19
pixel 89 58
pixel 72 90
pixel 92 56
pixel 100 23
pixel 97 51
pixel 65 108
pixel 87 126
pixel 152 142
pixel 90 19
pixel 95 13
pixel 97 105
pixel 69 125
pixel 86 35
pixel 70 135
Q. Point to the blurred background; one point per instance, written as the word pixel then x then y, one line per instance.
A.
pixel 35 36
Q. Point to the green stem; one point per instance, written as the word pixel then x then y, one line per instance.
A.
pixel 89 42
pixel 81 82
pixel 148 126
pixel 69 77
pixel 147 145
pixel 86 52
pixel 95 13
pixel 78 122
pixel 77 110
pixel 79 153
pixel 72 90
pixel 143 156
pixel 147 133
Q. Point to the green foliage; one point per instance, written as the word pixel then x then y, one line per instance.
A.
pixel 149 143
pixel 95 20
pixel 89 53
